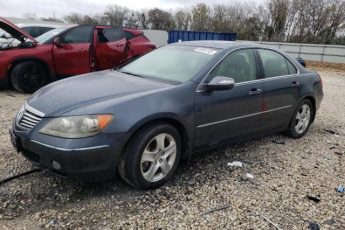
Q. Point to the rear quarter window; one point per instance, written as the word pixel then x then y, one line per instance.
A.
pixel 291 67
pixel 129 35
pixel 275 64
pixel 110 35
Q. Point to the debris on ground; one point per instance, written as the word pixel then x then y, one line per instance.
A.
pixel 338 153
pixel 235 164
pixel 10 95
pixel 330 131
pixel 278 142
pixel 313 226
pixel 3 181
pixel 269 221
pixel 247 177
pixel 341 189
pixel 226 206
pixel 314 198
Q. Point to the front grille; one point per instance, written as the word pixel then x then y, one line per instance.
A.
pixel 29 117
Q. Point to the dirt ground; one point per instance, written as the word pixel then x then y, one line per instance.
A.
pixel 205 193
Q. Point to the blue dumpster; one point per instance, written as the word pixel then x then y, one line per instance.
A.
pixel 179 35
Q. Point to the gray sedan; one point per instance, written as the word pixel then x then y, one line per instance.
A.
pixel 141 119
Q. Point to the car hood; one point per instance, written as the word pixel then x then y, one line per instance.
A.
pixel 75 92
pixel 12 29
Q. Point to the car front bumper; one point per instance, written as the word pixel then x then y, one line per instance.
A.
pixel 94 163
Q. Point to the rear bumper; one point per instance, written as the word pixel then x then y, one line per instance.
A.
pixel 95 163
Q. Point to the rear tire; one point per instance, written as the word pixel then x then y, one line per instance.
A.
pixel 151 156
pixel 28 76
pixel 301 119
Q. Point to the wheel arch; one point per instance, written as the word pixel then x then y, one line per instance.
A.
pixel 177 124
pixel 15 62
pixel 313 102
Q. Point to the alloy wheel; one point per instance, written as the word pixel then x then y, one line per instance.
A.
pixel 158 157
pixel 302 119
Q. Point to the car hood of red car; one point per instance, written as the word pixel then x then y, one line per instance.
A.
pixel 16 32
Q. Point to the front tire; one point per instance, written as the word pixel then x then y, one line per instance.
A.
pixel 28 76
pixel 301 120
pixel 151 156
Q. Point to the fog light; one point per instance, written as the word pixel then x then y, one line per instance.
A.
pixel 56 165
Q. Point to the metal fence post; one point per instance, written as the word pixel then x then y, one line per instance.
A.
pixel 323 53
pixel 300 50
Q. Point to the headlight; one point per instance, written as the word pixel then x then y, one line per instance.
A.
pixel 76 127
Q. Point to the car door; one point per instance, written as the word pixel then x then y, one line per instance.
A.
pixel 281 87
pixel 231 113
pixel 72 54
pixel 111 48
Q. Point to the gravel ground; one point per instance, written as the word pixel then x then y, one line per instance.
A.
pixel 286 172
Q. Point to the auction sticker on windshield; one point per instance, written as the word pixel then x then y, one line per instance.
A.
pixel 205 50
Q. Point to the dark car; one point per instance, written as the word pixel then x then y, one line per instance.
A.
pixel 145 116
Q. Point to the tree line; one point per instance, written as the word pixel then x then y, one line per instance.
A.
pixel 301 21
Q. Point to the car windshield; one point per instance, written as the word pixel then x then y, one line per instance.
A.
pixel 171 63
pixel 51 33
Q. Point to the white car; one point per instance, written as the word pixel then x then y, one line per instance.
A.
pixel 37 29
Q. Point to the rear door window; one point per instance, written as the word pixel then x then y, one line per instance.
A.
pixel 275 64
pixel 110 35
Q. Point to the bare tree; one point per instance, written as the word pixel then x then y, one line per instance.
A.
pixel 201 16
pixel 74 18
pixel 310 21
pixel 183 19
pixel 160 19
pixel 116 14
pixel 278 11
pixel 219 20
pixel 143 18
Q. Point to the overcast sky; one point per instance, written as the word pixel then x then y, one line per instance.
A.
pixel 44 8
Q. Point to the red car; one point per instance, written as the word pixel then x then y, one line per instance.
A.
pixel 28 64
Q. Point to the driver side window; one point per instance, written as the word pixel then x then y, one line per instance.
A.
pixel 80 34
pixel 240 65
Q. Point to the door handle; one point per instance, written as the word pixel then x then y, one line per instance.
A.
pixel 255 91
pixel 119 45
pixel 295 83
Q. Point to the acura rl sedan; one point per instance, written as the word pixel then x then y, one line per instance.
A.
pixel 142 119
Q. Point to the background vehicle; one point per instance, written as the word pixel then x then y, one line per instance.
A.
pixel 36 29
pixel 28 64
pixel 138 42
pixel 148 114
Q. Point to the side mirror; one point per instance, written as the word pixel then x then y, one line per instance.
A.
pixel 220 83
pixel 58 42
